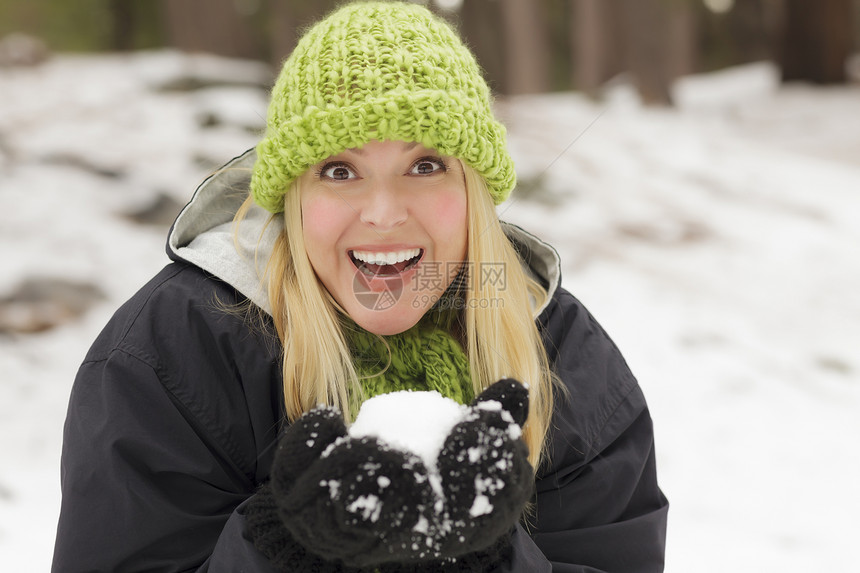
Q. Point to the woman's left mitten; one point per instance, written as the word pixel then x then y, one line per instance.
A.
pixel 485 470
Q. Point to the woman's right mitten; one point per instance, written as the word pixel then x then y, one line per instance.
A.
pixel 301 445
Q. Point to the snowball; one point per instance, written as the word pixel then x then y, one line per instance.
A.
pixel 417 422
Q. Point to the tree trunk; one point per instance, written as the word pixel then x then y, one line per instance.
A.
pixel 817 40
pixel 661 48
pixel 123 24
pixel 482 30
pixel 655 41
pixel 527 47
pixel 213 26
pixel 597 45
pixel 287 19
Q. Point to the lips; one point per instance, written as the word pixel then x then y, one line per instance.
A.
pixel 385 263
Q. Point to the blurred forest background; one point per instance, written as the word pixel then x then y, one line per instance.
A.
pixel 716 240
pixel 525 46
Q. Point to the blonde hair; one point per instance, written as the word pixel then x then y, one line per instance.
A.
pixel 501 337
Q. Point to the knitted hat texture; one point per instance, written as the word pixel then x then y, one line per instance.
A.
pixel 378 71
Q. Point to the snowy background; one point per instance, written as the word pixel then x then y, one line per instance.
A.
pixel 718 243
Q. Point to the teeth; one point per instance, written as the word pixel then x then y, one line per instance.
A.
pixel 385 258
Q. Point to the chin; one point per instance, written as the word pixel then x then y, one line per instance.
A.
pixel 399 318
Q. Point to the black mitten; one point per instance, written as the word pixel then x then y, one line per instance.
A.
pixel 357 503
pixel 301 445
pixel 485 470
pixel 487 480
pixel 273 539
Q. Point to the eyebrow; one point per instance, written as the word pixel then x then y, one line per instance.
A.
pixel 409 145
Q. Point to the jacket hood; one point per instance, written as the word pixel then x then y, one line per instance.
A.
pixel 203 235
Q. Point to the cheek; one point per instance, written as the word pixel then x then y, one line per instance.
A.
pixel 323 222
pixel 452 211
pixel 449 213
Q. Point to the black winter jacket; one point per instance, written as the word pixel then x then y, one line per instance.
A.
pixel 178 404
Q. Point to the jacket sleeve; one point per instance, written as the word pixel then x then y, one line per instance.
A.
pixel 604 516
pixel 607 514
pixel 598 505
pixel 144 486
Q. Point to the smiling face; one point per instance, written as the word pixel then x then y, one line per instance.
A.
pixel 385 230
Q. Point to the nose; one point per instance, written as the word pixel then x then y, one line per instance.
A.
pixel 384 208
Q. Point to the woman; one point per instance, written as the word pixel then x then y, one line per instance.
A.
pixel 355 252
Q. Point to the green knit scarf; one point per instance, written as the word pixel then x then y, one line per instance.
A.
pixel 425 357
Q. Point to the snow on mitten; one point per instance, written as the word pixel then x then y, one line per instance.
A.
pixel 417 483
pixel 485 471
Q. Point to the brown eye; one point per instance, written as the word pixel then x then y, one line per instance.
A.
pixel 428 166
pixel 337 172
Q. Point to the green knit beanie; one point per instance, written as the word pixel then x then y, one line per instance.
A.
pixel 378 71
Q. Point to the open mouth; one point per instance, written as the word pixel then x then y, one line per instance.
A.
pixel 385 264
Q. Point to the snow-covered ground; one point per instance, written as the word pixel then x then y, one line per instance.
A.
pixel 718 243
